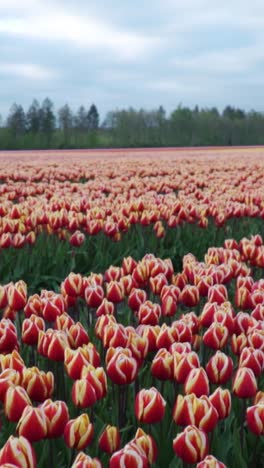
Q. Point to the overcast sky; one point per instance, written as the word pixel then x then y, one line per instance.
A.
pixel 140 53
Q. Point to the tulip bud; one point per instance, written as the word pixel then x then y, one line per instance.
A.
pixel 83 394
pixel 109 441
pixel 38 384
pixel 19 452
pixel 197 382
pixel 8 336
pixel 168 306
pixel 156 283
pixel 219 368
pixel 197 411
pixel 149 313
pixel 131 456
pixel 114 335
pixel 191 445
pixel 97 378
pixel 77 335
pixel 74 361
pixel 30 329
pixel 216 336
pixel 57 415
pixel 244 384
pixel 34 306
pixel 255 419
pixel 190 296
pixel 115 292
pixel 162 365
pixel 149 406
pixel 221 400
pixel 94 295
pixel 105 308
pixel 12 361
pixel 17 295
pixel 78 433
pixel 136 298
pixel 210 462
pixel 16 399
pixel 85 461
pixel 73 285
pixel 3 297
pixel 253 359
pixel 122 369
pixel 147 444
pixel 238 343
pixel 128 265
pixel 183 364
pixel 217 293
pixel 32 424
pixel 166 336
pixel 52 344
pixel 53 306
pixel 77 239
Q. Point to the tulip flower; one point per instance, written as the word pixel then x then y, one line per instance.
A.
pixel 255 419
pixel 77 239
pixel 8 378
pixel 57 416
pixel 78 433
pixel 210 462
pixel 149 406
pixel 190 410
pixel 149 313
pixel 244 384
pixel 32 424
pixel 197 382
pixel 73 284
pixel 77 335
pixel 38 384
pixel 30 329
pixel 191 445
pixel 122 369
pixel 34 306
pixel 131 456
pixel 94 295
pixel 221 400
pixel 97 378
pixel 109 441
pixel 147 444
pixel 219 368
pixel 83 394
pixel 16 399
pixel 17 295
pixel 216 337
pixel 19 452
pixel 253 359
pixel 8 336
pixel 162 365
pixel 183 364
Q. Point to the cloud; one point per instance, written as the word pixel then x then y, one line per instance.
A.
pixel 27 70
pixel 222 62
pixel 52 23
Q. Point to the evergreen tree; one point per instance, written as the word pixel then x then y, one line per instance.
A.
pixel 93 118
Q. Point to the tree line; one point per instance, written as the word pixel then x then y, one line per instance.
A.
pixel 41 127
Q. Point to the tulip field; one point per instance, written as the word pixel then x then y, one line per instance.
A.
pixel 132 308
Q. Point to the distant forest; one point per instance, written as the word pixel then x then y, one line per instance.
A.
pixel 41 127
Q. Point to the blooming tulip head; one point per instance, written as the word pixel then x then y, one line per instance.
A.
pixel 110 440
pixel 32 424
pixel 78 433
pixel 19 452
pixel 191 445
pixel 149 406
